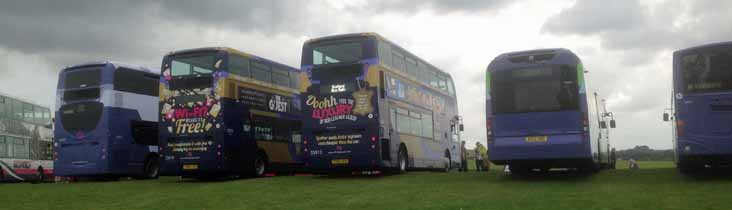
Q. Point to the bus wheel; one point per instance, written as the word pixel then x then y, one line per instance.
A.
pixel 449 162
pixel 402 160
pixel 39 174
pixel 152 169
pixel 260 165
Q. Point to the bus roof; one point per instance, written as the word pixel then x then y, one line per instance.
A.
pixel 561 55
pixel 232 51
pixel 377 36
pixel 115 63
pixel 704 46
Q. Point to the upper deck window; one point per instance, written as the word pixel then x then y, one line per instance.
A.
pixel 83 77
pixel 338 51
pixel 543 89
pixel 199 64
pixel 708 71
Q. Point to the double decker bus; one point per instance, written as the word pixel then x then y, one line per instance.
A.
pixel 539 115
pixel 373 106
pixel 224 112
pixel 26 151
pixel 106 121
pixel 702 81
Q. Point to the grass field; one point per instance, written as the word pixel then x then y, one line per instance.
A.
pixel 656 186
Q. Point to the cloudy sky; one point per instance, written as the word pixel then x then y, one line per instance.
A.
pixel 626 45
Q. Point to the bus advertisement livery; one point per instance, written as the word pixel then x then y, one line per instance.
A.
pixel 26 151
pixel 224 112
pixel 374 106
pixel 702 80
pixel 106 121
pixel 539 115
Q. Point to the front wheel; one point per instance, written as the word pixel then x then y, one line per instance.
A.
pixel 152 169
pixel 260 165
pixel 402 161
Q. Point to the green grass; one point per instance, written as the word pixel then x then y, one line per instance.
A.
pixel 655 186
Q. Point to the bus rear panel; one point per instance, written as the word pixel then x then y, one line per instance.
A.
pixel 703 104
pixel 538 116
pixel 105 121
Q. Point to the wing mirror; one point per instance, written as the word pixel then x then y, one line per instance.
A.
pixel 603 124
pixel 612 123
pixel 666 117
pixel 462 127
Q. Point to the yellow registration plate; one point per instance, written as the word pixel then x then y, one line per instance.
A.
pixel 536 139
pixel 339 162
pixel 190 166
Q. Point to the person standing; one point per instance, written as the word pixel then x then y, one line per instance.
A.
pixel 479 156
pixel 463 157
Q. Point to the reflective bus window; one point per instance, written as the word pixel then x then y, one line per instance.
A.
pixel 261 72
pixel 280 77
pixel 239 65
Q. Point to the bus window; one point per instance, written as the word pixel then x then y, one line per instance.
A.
pixel 535 90
pixel 83 77
pixel 133 81
pixel 450 87
pixel 82 117
pixel 398 60
pixel 192 65
pixel 337 53
pixel 261 72
pixel 427 127
pixel 385 53
pixel 411 67
pixel 239 65
pixel 707 72
pixel 295 80
pixel 280 77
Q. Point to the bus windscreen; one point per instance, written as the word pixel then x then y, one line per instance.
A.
pixel 193 65
pixel 544 89
pixel 335 52
pixel 707 71
pixel 83 77
pixel 80 117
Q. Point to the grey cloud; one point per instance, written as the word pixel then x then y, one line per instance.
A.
pixel 628 24
pixel 440 6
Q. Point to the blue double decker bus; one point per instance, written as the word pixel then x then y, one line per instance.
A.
pixel 702 81
pixel 374 106
pixel 224 112
pixel 539 115
pixel 106 121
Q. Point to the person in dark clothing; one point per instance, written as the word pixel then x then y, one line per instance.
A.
pixel 463 157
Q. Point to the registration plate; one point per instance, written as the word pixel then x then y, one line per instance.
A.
pixel 190 166
pixel 536 139
pixel 339 162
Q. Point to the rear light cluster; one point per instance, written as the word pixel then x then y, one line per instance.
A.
pixel 679 127
pixel 489 128
pixel 373 142
pixel 585 128
pixel 218 150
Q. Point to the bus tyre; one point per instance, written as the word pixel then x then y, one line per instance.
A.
pixel 402 160
pixel 448 164
pixel 152 168
pixel 260 165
